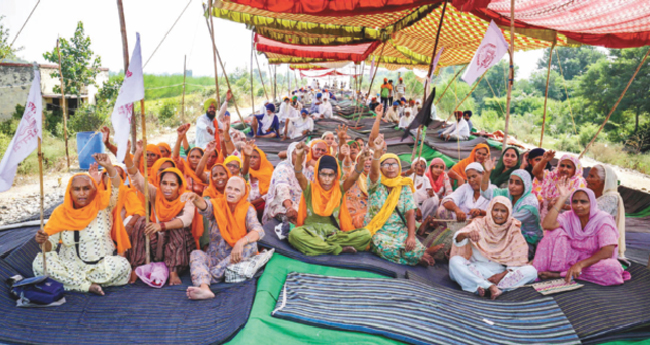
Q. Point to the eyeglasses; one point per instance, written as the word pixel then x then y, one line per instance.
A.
pixel 234 166
pixel 390 165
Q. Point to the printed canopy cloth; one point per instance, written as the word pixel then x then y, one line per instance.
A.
pixel 351 52
pixel 607 23
pixel 333 7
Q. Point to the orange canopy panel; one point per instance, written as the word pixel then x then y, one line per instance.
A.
pixel 607 23
pixel 333 7
pixel 349 52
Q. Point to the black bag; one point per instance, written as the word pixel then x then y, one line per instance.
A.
pixel 38 290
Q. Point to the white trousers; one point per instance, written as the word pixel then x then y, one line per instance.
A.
pixel 472 275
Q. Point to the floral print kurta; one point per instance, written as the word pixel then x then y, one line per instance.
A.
pixel 284 186
pixel 95 243
pixel 209 267
pixel 388 242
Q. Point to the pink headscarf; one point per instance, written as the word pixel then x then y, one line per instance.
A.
pixel 598 219
pixel 549 190
pixel 440 181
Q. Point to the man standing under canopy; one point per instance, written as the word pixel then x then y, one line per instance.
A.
pixel 400 88
pixel 386 90
pixel 205 124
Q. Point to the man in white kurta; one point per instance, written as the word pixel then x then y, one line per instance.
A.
pixel 285 110
pixel 406 120
pixel 299 125
pixel 458 131
pixel 325 108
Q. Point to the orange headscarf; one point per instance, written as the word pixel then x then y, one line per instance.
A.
pixel 153 177
pixel 166 210
pixel 264 173
pixel 150 148
pixel 311 146
pixel 212 191
pixel 459 167
pixel 189 172
pixel 65 217
pixel 232 226
pixel 128 200
pixel 324 202
pixel 167 147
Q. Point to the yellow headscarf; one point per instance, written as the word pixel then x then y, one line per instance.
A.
pixel 389 206
pixel 233 159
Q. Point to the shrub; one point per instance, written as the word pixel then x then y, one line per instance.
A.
pixel 87 118
pixel 167 112
pixel 567 143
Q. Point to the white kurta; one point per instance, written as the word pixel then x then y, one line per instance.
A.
pixel 95 242
pixel 405 121
pixel 285 112
pixel 297 125
pixel 422 185
pixel 325 109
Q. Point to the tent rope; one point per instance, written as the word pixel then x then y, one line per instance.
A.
pixel 167 33
pixel 22 27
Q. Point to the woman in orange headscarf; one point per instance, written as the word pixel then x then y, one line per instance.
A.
pixel 234 231
pixel 479 154
pixel 219 176
pixel 260 171
pixel 153 154
pixel 175 226
pixel 83 225
pixel 324 222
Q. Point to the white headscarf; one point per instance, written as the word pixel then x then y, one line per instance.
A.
pixel 475 166
pixel 611 188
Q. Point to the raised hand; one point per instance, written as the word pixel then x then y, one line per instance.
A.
pixel 248 147
pixel 211 146
pixel 106 133
pixel 93 171
pixel 193 198
pixel 563 187
pixel 182 130
pixel 548 155
pixel 379 110
pixel 345 150
pixel 490 164
pixel 364 155
pixel 301 148
pixel 379 142
pixel 228 95
pixel 341 131
pixel 102 159
pixel 139 148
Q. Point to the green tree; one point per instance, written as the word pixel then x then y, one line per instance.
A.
pixel 6 52
pixel 574 61
pixel 78 63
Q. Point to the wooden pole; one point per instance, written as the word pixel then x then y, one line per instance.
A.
pixel 183 98
pixel 275 83
pixel 617 102
pixel 40 173
pixel 63 107
pixel 146 178
pixel 259 70
pixel 125 54
pixel 372 81
pixel 252 84
pixel 214 52
pixel 512 73
pixel 448 85
pixel 548 78
pixel 435 50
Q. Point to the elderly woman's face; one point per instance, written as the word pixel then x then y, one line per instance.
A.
pixel 566 168
pixel 420 168
pixel 235 189
pixel 234 167
pixel 318 150
pixel 82 191
pixel 326 178
pixel 390 168
pixel 499 213
pixel 593 180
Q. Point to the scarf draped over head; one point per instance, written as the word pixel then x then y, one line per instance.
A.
pixel 611 188
pixel 459 168
pixel 232 225
pixel 598 220
pixel 191 173
pixel 396 184
pixel 166 210
pixel 154 177
pixel 549 189
pixel 264 173
pixel 166 146
pixel 503 244
pixel 66 218
pixel 527 201
pixel 439 182
pixel 325 202
pixel 311 147
pixel 128 200
pixel 212 191
pixel 150 148
pixel 232 159
pixel 498 176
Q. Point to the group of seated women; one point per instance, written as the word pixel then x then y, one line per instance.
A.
pixel 208 208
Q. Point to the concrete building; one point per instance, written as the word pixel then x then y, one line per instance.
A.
pixel 16 79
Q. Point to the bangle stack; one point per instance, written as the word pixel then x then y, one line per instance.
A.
pixel 358 172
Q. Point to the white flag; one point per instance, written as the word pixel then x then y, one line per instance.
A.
pixel 132 90
pixel 25 140
pixel 433 69
pixel 372 66
pixel 491 50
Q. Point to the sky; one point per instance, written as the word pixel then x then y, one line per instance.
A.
pixel 152 19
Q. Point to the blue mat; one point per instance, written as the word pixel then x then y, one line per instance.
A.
pixel 128 314
pixel 418 314
pixel 13 238
pixel 437 275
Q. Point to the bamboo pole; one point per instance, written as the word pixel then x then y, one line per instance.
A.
pixel 252 85
pixel 617 102
pixel 512 73
pixel 275 83
pixel 40 173
pixel 259 71
pixel 214 51
pixel 548 78
pixel 372 81
pixel 146 178
pixel 63 107
pixel 449 84
pixel 435 50
pixel 469 93
pixel 183 98
pixel 125 55
pixel 421 146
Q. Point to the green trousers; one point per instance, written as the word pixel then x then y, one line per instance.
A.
pixel 319 239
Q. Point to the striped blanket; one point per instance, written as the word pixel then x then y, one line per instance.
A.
pixel 415 313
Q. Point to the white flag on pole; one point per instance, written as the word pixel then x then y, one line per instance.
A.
pixel 132 90
pixel 435 64
pixel 25 140
pixel 491 50
pixel 372 66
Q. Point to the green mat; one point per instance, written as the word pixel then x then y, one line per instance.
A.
pixel 429 154
pixel 262 328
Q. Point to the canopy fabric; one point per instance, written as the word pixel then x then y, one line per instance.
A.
pixel 607 23
pixel 351 52
pixel 326 73
pixel 333 7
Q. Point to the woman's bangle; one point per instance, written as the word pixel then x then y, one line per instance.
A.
pixel 114 176
pixel 248 240
pixel 556 209
pixel 356 171
pixel 297 171
pixel 162 226
pixel 131 167
pixel 376 159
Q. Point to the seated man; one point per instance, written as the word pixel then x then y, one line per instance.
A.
pixel 316 103
pixel 467 115
pixel 406 120
pixel 285 110
pixel 491 253
pixel 266 125
pixel 322 211
pixel 82 225
pixel 392 115
pixel 298 126
pixel 325 109
pixel 459 131
pixel 373 104
pixel 466 202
